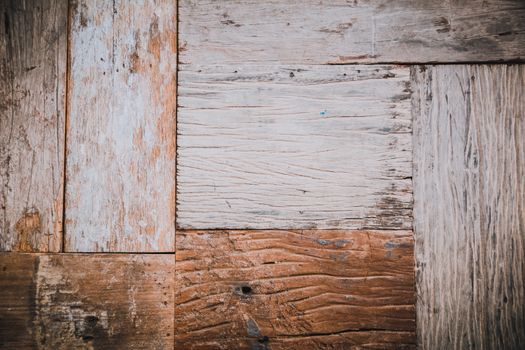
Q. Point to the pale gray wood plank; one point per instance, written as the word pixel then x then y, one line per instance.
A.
pixel 267 147
pixel 121 130
pixel 33 53
pixel 469 210
pixel 342 31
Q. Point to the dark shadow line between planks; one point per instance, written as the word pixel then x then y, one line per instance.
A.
pixel 66 119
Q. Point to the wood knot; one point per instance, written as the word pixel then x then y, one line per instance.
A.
pixel 28 228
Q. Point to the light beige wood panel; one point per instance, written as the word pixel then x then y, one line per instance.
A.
pixel 32 113
pixel 344 31
pixel 86 301
pixel 120 191
pixel 469 211
pixel 294 290
pixel 268 147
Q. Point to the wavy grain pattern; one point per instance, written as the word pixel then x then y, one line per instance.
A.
pixel 294 289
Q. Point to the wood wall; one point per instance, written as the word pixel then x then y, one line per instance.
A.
pixel 262 175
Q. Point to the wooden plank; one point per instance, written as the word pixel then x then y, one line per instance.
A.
pixel 343 31
pixel 469 211
pixel 17 300
pixel 86 301
pixel 294 289
pixel 268 147
pixel 32 113
pixel 121 130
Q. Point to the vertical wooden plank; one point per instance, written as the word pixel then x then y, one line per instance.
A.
pixel 32 113
pixel 294 147
pixel 294 290
pixel 86 301
pixel 469 211
pixel 120 190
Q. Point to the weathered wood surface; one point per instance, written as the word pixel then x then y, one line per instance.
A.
pixel 121 129
pixel 17 301
pixel 294 289
pixel 343 31
pixel 86 301
pixel 469 211
pixel 269 147
pixel 32 113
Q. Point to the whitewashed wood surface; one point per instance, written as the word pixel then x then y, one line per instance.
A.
pixel 120 190
pixel 349 31
pixel 268 147
pixel 32 113
pixel 469 210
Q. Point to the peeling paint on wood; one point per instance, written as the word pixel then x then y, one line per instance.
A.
pixel 32 113
pixel 266 147
pixel 350 31
pixel 469 211
pixel 85 301
pixel 121 128
pixel 294 289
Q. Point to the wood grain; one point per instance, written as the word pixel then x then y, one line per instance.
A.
pixel 469 211
pixel 121 129
pixel 17 300
pixel 294 289
pixel 350 31
pixel 268 147
pixel 86 301
pixel 32 113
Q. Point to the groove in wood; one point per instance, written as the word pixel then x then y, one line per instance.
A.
pixel 266 147
pixel 32 113
pixel 469 211
pixel 121 131
pixel 294 289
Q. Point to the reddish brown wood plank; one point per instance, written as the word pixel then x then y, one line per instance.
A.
pixel 294 289
pixel 86 301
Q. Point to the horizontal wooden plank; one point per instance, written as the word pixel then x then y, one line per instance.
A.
pixel 469 211
pixel 85 301
pixel 33 53
pixel 17 301
pixel 343 31
pixel 290 147
pixel 294 289
pixel 121 129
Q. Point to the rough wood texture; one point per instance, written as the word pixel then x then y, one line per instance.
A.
pixel 294 289
pixel 86 301
pixel 344 31
pixel 469 211
pixel 32 109
pixel 270 147
pixel 121 133
pixel 17 301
